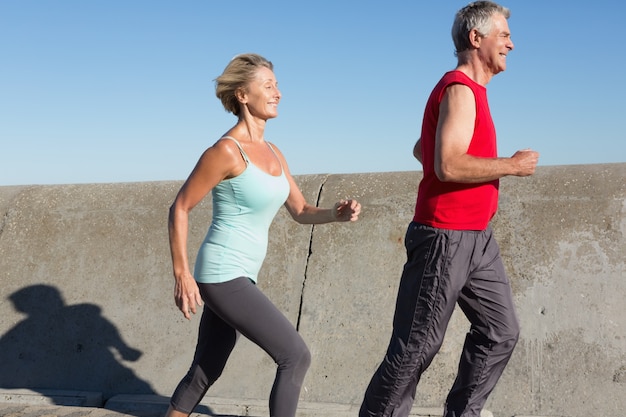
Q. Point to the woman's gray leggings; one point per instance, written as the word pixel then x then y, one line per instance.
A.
pixel 238 306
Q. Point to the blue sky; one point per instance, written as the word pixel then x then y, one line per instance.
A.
pixel 122 90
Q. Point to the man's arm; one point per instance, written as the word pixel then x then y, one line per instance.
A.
pixel 457 114
pixel 417 150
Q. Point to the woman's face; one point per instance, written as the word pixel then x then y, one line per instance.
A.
pixel 262 95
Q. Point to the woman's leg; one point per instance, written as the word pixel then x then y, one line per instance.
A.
pixel 173 413
pixel 216 340
pixel 245 308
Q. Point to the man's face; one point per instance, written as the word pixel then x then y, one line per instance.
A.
pixel 496 45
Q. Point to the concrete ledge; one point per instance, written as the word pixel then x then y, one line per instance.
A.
pixel 26 410
pixel 51 397
pixel 151 405
pixel 49 403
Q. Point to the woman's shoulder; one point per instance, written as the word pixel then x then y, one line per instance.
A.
pixel 225 146
pixel 223 155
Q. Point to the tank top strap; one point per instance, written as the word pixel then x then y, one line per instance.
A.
pixel 243 154
pixel 276 155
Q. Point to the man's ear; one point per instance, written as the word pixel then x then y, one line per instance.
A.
pixel 475 37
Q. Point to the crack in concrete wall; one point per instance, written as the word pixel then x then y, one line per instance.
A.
pixel 308 257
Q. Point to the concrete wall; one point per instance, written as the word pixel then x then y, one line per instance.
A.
pixel 87 291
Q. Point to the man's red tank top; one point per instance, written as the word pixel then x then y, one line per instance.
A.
pixel 449 205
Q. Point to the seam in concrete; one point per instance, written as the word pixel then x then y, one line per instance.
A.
pixel 308 257
pixel 5 219
pixel 5 216
pixel 9 210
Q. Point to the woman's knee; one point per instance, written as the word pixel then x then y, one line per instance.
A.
pixel 305 358
pixel 298 359
pixel 302 364
pixel 301 356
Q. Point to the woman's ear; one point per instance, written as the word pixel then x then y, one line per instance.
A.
pixel 241 95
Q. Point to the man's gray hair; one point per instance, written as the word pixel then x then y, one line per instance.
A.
pixel 476 15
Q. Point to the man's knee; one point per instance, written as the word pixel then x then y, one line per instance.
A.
pixel 511 333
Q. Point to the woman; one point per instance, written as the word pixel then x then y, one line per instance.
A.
pixel 249 180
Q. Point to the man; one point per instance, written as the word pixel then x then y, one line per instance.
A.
pixel 452 256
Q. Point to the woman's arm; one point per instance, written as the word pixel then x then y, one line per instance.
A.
pixel 220 161
pixel 304 213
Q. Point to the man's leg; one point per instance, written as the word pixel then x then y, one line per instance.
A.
pixel 487 301
pixel 435 271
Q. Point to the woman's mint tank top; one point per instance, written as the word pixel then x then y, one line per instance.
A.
pixel 243 209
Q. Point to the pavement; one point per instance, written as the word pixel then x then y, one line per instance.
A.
pixel 55 403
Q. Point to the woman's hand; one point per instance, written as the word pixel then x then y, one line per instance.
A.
pixel 346 210
pixel 187 295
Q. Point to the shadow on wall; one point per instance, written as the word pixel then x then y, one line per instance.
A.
pixel 65 347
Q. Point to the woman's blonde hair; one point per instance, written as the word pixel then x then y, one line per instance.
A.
pixel 237 74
